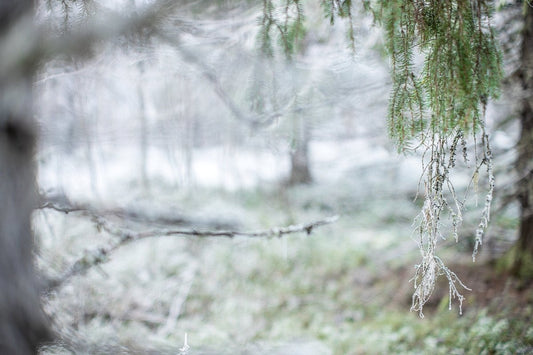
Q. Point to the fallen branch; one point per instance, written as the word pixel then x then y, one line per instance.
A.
pixel 179 300
pixel 125 236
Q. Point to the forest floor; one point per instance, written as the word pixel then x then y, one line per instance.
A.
pixel 344 289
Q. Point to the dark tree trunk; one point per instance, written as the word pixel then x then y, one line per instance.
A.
pixel 300 173
pixel 523 263
pixel 23 325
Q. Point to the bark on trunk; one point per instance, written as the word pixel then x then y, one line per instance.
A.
pixel 523 264
pixel 23 325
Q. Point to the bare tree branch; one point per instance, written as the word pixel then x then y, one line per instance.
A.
pixel 62 204
pixel 264 119
pixel 255 121
pixel 101 255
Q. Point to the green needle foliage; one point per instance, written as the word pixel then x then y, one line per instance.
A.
pixel 285 21
pixel 461 70
pixel 434 105
pixel 445 65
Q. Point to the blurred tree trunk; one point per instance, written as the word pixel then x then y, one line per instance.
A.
pixel 23 325
pixel 143 129
pixel 300 173
pixel 523 263
pixel 188 146
pixel 88 122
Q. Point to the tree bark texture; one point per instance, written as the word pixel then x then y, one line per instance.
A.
pixel 523 266
pixel 23 325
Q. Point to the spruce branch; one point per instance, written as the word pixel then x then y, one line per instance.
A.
pixel 435 106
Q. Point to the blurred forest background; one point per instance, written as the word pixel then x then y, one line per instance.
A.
pixel 198 131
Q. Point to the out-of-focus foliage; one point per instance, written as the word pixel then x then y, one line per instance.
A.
pixel 285 21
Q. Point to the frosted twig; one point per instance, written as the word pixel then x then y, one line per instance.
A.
pixel 100 255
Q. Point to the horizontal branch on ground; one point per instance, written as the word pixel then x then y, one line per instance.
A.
pixel 125 236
